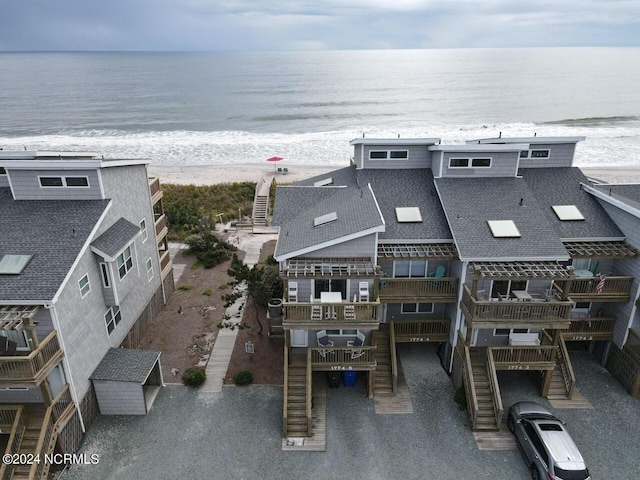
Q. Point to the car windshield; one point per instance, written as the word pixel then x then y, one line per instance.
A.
pixel 571 474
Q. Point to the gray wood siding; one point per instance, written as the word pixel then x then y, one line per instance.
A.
pixel 503 164
pixel 4 181
pixel 560 155
pixel 419 157
pixel 45 324
pixel 630 226
pixel 359 247
pixel 120 398
pixel 394 312
pixel 30 395
pixel 27 187
pixel 82 324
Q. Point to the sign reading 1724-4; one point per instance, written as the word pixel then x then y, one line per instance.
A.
pixel 419 339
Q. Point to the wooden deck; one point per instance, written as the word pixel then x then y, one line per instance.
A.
pixel 425 290
pixel 494 441
pixel 577 400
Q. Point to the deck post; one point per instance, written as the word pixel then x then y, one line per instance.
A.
pixel 370 386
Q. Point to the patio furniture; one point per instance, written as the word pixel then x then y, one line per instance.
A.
pixel 439 272
pixel 293 291
pixel 522 295
pixel 316 312
pixel 349 312
pixel 358 342
pixel 323 341
pixel 550 295
pixel 364 291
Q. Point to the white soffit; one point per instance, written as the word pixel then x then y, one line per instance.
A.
pixel 408 214
pixel 323 219
pixel 14 264
pixel 503 228
pixel 567 212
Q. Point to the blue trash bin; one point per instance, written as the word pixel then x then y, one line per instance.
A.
pixel 349 379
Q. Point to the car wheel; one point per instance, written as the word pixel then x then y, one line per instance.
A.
pixel 535 475
pixel 511 425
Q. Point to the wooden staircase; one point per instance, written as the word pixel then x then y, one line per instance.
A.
pixel 34 416
pixel 486 419
pixel 261 202
pixel 382 375
pixel 297 423
pixel 558 389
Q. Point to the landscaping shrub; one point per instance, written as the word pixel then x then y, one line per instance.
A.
pixel 243 377
pixel 207 292
pixel 185 287
pixel 209 249
pixel 193 377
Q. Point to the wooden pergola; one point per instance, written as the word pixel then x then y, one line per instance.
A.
pixel 518 270
pixel 604 249
pixel 331 268
pixel 417 250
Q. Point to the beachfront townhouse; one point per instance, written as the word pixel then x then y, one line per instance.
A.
pixel 84 268
pixel 495 252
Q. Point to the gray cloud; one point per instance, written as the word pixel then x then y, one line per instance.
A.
pixel 320 24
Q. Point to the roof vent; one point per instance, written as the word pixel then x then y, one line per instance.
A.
pixel 324 219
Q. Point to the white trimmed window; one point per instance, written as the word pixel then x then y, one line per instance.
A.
pixel 416 308
pixel 84 285
pixel 124 262
pixel 64 182
pixel 112 318
pixel 143 230
pixel 539 153
pixel 505 332
pixel 470 162
pixel 149 269
pixel 388 154
pixel 410 269
pixel 104 272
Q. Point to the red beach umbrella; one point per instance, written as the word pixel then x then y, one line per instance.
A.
pixel 274 159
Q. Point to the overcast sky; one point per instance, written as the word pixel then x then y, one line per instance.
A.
pixel 314 24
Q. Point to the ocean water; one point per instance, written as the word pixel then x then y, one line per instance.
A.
pixel 212 108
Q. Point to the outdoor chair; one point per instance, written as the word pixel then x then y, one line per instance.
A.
pixel 293 291
pixel 439 272
pixel 316 313
pixel 323 341
pixel 358 342
pixel 364 291
pixel 349 312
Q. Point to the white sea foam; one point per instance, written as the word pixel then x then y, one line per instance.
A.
pixel 617 145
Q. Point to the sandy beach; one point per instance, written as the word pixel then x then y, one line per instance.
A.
pixel 253 172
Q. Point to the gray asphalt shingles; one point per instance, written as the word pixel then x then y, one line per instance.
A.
pixel 629 194
pixel 125 365
pixel 116 237
pixel 561 186
pixel 53 232
pixel 470 202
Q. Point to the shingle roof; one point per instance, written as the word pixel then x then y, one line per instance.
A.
pixel 53 231
pixel 296 207
pixel 407 188
pixel 470 202
pixel 125 365
pixel 116 237
pixel 342 176
pixel 629 194
pixel 561 186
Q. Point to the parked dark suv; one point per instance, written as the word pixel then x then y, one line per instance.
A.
pixel 546 445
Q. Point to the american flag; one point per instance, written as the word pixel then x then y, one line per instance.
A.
pixel 600 286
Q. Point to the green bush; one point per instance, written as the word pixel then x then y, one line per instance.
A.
pixel 209 249
pixel 185 287
pixel 207 292
pixel 193 377
pixel 243 377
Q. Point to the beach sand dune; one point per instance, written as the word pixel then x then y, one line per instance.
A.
pixel 253 172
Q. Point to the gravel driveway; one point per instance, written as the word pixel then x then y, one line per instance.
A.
pixel 236 434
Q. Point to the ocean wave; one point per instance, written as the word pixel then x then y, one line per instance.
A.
pixel 603 146
pixel 594 121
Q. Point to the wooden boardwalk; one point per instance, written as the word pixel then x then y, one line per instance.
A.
pixel 501 440
pixel 318 441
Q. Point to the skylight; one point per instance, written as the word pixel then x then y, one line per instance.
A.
pixel 323 182
pixel 408 214
pixel 567 212
pixel 323 219
pixel 14 264
pixel 503 229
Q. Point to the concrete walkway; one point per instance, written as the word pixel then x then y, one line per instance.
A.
pixel 218 364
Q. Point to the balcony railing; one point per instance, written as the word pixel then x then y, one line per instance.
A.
pixel 426 290
pixel 539 357
pixel 298 315
pixel 154 187
pixel 165 263
pixel 614 289
pixel 632 346
pixel 29 370
pixel 590 328
pixel 161 227
pixel 12 419
pixel 421 330
pixel 515 313
pixel 343 358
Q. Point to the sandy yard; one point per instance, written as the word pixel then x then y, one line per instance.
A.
pixel 186 328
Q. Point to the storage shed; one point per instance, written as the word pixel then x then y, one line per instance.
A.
pixel 127 381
